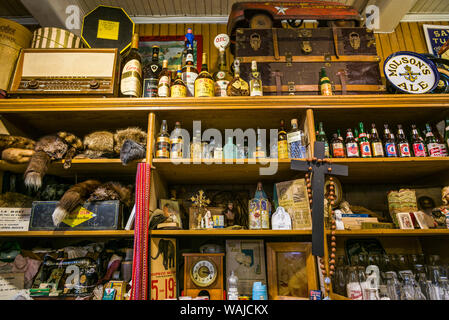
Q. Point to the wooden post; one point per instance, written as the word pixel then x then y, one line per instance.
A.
pixel 150 137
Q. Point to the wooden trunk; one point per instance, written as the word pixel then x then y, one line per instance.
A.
pixel 290 60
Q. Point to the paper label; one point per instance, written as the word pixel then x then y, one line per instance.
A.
pixel 162 147
pixel 189 80
pixel 131 79
pixel 434 149
pixel 419 150
pixel 220 87
pixel 108 29
pixel 365 149
pixel 178 91
pixel 163 89
pixel 11 284
pixel 14 219
pixel 352 149
pixel 404 148
pixel 378 149
pixel 78 216
pixel 338 150
pixel 326 89
pixel 204 87
pixel 443 150
pixel 282 149
pixel 391 149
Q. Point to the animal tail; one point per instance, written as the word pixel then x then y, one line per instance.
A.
pixel 36 170
pixel 72 198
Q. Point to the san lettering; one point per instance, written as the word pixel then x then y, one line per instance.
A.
pixel 246 309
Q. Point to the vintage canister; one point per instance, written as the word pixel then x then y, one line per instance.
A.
pixel 45 38
pixel 13 37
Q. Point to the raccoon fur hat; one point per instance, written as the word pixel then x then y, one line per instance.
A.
pixel 90 190
pixel 52 147
pixel 135 134
pixel 99 141
pixel 8 141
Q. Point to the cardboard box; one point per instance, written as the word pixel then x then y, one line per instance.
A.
pixel 100 215
pixel 163 269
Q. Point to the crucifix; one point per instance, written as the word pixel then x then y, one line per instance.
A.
pixel 318 167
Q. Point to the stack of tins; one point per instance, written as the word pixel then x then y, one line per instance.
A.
pixel 46 38
pixel 13 37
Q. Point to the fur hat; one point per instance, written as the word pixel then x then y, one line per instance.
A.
pixel 99 141
pixel 135 134
pixel 131 151
pixel 8 141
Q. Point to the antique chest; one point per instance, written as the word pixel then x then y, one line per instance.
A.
pixel 290 60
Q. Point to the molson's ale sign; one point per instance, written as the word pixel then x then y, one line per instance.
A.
pixel 410 72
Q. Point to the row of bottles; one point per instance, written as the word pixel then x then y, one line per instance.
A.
pixel 361 144
pixel 289 145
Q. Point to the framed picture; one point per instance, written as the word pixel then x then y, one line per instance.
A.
pixel 291 270
pixel 436 37
pixel 171 209
pixel 247 259
pixel 171 49
pixel 405 221
pixel 421 219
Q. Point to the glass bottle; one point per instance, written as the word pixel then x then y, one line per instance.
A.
pixel 325 84
pixel 376 143
pixel 131 79
pixel 419 149
pixel 195 147
pixel 237 86
pixel 229 149
pixel 295 140
pixel 322 137
pixel 408 291
pixel 441 143
pixel 340 277
pixel 393 285
pixel 222 77
pixel 163 142
pixel 340 136
pixel 353 287
pixel 403 145
pixel 337 147
pixel 260 152
pixel 233 292
pixel 356 135
pixel 390 143
pixel 176 142
pixel 365 145
pixel 151 73
pixel 282 142
pixel 443 288
pixel 204 83
pixel 178 89
pixel 189 72
pixel 255 84
pixel 163 86
pixel 352 148
pixel 432 146
pixel 259 210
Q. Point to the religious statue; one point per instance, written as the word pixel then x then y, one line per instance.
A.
pixel 202 216
pixel 229 214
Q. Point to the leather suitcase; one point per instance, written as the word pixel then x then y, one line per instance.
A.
pixel 290 60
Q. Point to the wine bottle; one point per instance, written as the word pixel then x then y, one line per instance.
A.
pixel 131 80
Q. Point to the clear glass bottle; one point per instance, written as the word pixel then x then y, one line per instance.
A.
pixel 195 147
pixel 176 142
pixel 222 77
pixel 163 87
pixel 260 152
pixel 229 149
pixel 255 84
pixel 296 143
pixel 233 291
pixel 353 287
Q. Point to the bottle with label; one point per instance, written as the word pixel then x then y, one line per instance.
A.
pixel 189 72
pixel 431 142
pixel 356 135
pixel 419 149
pixel 131 80
pixel 282 142
pixel 321 136
pixel 260 152
pixel 259 210
pixel 176 142
pixel 325 84
pixel 337 146
pixel 365 145
pixel 163 86
pixel 340 137
pixel 195 147
pixel 255 84
pixel 403 145
pixel 222 77
pixel 229 149
pixel 151 73
pixel 237 86
pixel 295 141
pixel 163 142
pixel 178 89
pixel 352 148
pixel 390 143
pixel 204 83
pixel 441 143
pixel 376 143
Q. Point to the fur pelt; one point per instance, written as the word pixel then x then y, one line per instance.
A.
pixel 72 198
pixel 112 191
pixel 92 154
pixel 131 151
pixel 99 141
pixel 135 134
pixel 15 200
pixel 16 155
pixel 74 145
pixel 36 170
pixel 8 141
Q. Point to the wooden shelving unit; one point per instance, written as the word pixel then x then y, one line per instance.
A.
pixel 392 233
pixel 230 233
pixel 74 234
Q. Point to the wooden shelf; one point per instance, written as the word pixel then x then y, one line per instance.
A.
pixel 392 232
pixel 81 167
pixel 231 233
pixel 375 170
pixel 74 234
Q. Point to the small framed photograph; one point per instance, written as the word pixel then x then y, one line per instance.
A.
pixel 405 221
pixel 291 270
pixel 421 219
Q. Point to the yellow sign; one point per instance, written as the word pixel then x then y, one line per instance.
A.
pixel 108 29
pixel 78 216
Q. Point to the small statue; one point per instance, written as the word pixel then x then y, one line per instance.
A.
pixel 345 207
pixel 338 220
pixel 229 214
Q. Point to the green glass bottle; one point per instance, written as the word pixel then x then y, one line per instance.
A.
pixel 322 137
pixel 365 146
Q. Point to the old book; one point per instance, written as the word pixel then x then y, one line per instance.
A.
pixel 294 198
pixel 378 225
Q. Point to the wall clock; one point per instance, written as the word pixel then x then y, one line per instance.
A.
pixel 203 275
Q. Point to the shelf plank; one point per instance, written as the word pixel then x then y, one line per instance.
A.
pixel 392 232
pixel 81 167
pixel 231 233
pixel 375 170
pixel 74 234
